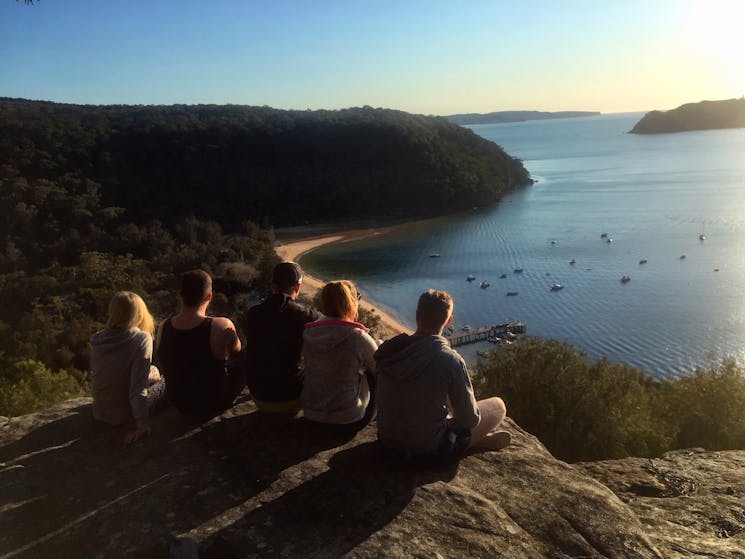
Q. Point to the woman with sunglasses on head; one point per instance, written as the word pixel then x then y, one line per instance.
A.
pixel 339 383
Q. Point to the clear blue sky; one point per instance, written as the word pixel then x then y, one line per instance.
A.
pixel 434 57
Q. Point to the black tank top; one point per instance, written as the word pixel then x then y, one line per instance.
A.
pixel 194 378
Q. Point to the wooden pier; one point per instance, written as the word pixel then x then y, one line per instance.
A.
pixel 484 334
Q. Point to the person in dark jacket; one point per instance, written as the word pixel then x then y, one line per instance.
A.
pixel 193 349
pixel 426 405
pixel 274 341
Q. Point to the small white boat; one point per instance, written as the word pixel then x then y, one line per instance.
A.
pixel 609 240
pixel 466 328
pixel 435 255
pixel 702 237
pixel 553 241
pixel 484 284
pixel 470 278
pixel 625 279
pixel 557 287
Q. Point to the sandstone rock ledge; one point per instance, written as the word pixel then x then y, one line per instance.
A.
pixel 249 485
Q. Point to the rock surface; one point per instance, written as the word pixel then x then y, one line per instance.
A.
pixel 249 485
pixel 691 502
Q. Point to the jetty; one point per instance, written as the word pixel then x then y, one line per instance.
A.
pixel 486 333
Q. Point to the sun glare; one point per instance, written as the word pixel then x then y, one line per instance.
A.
pixel 715 28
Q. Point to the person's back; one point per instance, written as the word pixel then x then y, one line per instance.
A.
pixel 194 377
pixel 192 352
pixel 274 341
pixel 417 377
pixel 426 406
pixel 339 386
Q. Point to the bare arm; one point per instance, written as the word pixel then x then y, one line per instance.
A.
pixel 223 338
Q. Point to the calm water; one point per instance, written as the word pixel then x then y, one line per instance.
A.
pixel 653 195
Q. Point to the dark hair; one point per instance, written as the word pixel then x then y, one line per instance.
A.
pixel 196 286
pixel 287 274
pixel 434 308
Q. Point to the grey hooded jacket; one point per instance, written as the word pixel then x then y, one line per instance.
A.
pixel 120 365
pixel 337 353
pixel 420 379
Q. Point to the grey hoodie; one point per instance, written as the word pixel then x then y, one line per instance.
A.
pixel 120 365
pixel 420 379
pixel 336 353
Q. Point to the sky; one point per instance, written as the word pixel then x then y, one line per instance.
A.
pixel 422 56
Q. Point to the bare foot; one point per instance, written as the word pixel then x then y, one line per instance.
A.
pixel 496 440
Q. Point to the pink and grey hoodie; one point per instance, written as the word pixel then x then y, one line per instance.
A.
pixel 337 353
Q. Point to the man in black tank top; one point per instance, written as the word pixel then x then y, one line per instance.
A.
pixel 193 349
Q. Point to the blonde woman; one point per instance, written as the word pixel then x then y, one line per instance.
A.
pixel 125 383
pixel 338 388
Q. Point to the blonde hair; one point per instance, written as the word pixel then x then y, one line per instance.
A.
pixel 128 310
pixel 434 308
pixel 339 299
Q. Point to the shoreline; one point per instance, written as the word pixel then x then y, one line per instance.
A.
pixel 295 249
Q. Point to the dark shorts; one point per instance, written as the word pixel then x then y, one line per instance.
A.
pixel 454 444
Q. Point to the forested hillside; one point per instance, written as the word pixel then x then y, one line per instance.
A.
pixel 232 163
pixel 704 115
pixel 98 199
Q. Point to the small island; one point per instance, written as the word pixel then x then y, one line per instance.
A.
pixel 704 115
pixel 514 116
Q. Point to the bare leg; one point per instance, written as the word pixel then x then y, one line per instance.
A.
pixel 493 411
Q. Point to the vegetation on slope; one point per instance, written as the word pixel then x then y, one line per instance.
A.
pixel 584 410
pixel 232 163
pixel 704 115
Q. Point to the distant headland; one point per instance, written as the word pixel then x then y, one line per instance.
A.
pixel 514 116
pixel 704 115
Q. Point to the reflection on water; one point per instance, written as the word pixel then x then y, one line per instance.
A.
pixel 654 195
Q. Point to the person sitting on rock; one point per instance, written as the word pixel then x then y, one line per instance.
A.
pixel 274 341
pixel 193 349
pixel 339 384
pixel 426 407
pixel 125 383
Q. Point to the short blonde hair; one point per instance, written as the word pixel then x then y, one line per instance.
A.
pixel 434 308
pixel 128 310
pixel 339 299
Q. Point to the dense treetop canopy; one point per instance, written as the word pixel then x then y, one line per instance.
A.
pixel 231 163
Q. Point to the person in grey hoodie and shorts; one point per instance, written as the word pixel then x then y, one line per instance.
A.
pixel 426 406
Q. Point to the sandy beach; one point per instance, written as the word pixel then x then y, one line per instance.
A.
pixel 295 249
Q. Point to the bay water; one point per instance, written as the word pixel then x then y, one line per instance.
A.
pixel 653 195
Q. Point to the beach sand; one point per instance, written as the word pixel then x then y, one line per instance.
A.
pixel 295 249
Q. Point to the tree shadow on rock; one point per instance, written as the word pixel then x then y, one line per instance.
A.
pixel 330 514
